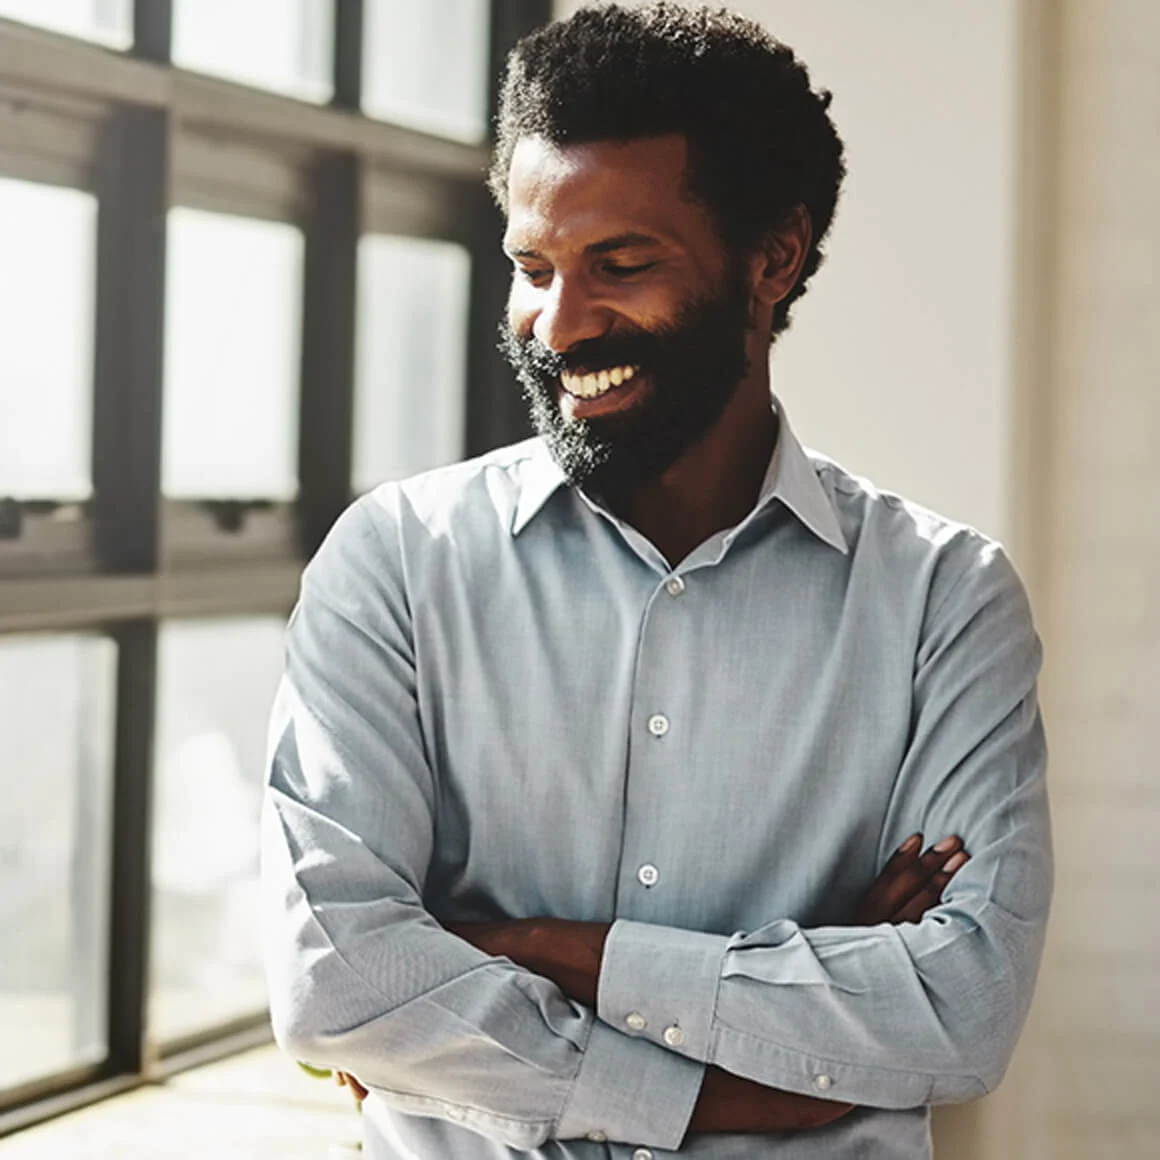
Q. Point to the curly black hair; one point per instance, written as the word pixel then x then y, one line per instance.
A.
pixel 761 141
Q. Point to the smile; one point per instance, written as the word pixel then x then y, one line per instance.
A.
pixel 592 386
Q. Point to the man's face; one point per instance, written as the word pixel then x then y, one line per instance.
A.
pixel 627 321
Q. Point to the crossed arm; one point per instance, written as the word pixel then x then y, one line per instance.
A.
pixel 569 954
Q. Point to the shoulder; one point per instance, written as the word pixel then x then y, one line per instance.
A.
pixel 916 549
pixel 471 499
pixel 483 491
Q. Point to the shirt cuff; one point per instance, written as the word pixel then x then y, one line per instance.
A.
pixel 660 983
pixel 630 1093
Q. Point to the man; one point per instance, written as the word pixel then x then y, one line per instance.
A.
pixel 589 751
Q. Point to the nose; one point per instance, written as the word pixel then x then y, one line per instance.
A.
pixel 568 315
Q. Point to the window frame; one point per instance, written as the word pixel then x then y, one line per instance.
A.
pixel 78 114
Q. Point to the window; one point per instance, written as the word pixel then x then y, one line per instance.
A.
pixel 233 340
pixel 283 45
pixel 233 293
pixel 56 755
pixel 210 756
pixel 107 21
pixel 48 239
pixel 425 65
pixel 411 365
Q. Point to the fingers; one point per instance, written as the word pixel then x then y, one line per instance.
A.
pixel 874 909
pixel 344 1079
pixel 929 896
pixel 907 878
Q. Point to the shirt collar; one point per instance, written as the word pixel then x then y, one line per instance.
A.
pixel 790 478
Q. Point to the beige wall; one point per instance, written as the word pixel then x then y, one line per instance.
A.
pixel 1091 1068
pixel 986 339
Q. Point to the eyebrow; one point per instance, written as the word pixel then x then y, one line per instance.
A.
pixel 607 246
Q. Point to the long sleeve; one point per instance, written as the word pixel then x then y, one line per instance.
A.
pixel 362 978
pixel 890 1016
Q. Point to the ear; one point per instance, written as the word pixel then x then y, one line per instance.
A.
pixel 777 263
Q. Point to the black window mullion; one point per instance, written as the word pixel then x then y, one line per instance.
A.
pixel 132 191
pixel 348 54
pixel 153 30
pixel 132 837
pixel 495 412
pixel 327 400
pixel 132 178
pixel 510 20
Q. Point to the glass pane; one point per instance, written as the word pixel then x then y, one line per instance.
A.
pixel 216 683
pixel 284 45
pixel 425 65
pixel 56 748
pixel 411 357
pixel 107 21
pixel 47 279
pixel 232 352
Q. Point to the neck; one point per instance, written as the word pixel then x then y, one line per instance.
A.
pixel 714 485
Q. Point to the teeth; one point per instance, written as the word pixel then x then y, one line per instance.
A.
pixel 591 386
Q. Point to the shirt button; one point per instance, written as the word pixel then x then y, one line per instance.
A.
pixel 823 1082
pixel 658 724
pixel 636 1021
pixel 597 1137
pixel 674 1036
pixel 674 585
pixel 648 875
pixel 642 1154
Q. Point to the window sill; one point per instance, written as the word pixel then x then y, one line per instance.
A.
pixel 253 1106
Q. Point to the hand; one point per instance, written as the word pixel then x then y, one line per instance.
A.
pixel 345 1079
pixel 909 885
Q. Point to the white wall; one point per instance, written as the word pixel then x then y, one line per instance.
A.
pixel 898 362
pixel 1091 1073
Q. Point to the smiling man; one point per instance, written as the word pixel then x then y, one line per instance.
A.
pixel 601 763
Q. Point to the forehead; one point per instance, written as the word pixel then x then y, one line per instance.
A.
pixel 577 194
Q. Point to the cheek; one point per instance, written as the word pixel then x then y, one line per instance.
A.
pixel 521 309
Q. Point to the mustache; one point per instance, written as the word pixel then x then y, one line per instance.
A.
pixel 632 348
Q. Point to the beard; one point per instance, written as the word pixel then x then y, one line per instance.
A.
pixel 694 365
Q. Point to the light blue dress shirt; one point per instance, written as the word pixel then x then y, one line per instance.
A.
pixel 500 701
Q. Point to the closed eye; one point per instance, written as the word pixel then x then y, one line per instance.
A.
pixel 535 277
pixel 618 271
